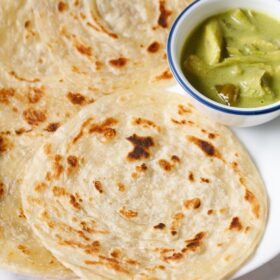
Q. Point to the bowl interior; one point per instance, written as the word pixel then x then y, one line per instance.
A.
pixel 200 10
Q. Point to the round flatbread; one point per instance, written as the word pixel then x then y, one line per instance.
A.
pixel 100 44
pixel 140 186
pixel 28 115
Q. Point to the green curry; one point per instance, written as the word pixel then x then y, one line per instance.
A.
pixel 234 58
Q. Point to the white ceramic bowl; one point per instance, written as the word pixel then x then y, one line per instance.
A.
pixel 185 23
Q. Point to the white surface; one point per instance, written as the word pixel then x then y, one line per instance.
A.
pixel 181 29
pixel 263 143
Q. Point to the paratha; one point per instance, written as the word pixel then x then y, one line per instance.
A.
pixel 139 185
pixel 28 115
pixel 100 44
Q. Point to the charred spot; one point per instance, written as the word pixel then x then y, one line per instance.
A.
pixel 84 50
pixel 205 146
pixel 154 47
pixel 195 243
pixel 34 117
pixel 104 128
pixel 204 180
pixel 128 213
pixel 164 14
pixel 27 24
pixel 72 161
pixel 52 127
pixel 35 95
pixel 78 99
pixel 165 165
pixel 175 158
pixel 116 253
pixel 191 176
pixel 62 6
pixel 98 185
pixel 22 130
pixel 119 62
pixel 174 257
pixel 210 212
pixel 160 226
pixel 235 224
pixel 141 148
pixel 211 136
pixel 6 94
pixel 194 203
pixel 165 75
pixel 74 202
pixel 173 232
pixel 141 168
pixel 2 191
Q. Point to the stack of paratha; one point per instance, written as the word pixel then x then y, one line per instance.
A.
pixel 133 185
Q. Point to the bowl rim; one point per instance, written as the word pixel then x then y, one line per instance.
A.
pixel 199 96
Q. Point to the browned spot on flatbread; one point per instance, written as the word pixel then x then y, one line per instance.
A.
pixel 34 117
pixel 141 144
pixel 210 212
pixel 24 249
pixel 183 110
pixel 174 257
pixel 175 224
pixel 154 47
pixel 5 144
pixel 73 164
pixel 6 94
pixel 52 127
pixel 59 191
pixel 99 187
pixel 116 253
pixel 13 74
pixel 195 243
pixel 81 132
pixel 175 158
pixel 121 187
pixel 39 187
pixel 250 197
pixel 204 180
pixel 83 49
pixel 105 128
pixel 145 123
pixel 164 14
pixel 165 75
pixel 119 62
pixel 141 168
pixel 235 224
pixel 207 147
pixel 2 190
pixel 79 99
pixel 62 6
pixel 73 201
pixel 194 203
pixel 191 176
pixel 164 164
pixel 34 95
pixel 160 226
pixel 128 213
pixel 27 24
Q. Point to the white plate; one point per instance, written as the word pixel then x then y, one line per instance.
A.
pixel 263 143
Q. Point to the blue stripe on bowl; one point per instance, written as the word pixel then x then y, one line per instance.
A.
pixel 257 111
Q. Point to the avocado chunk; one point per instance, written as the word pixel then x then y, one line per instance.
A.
pixel 212 42
pixel 228 93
